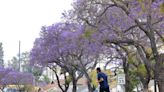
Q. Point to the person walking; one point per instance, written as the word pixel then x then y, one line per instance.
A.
pixel 102 80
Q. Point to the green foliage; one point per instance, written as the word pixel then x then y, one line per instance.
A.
pixel 14 63
pixel 93 76
pixel 133 72
pixel 37 72
pixel 162 8
pixel 24 62
pixel 62 71
pixel 1 55
pixel 88 33
pixel 140 1
pixel 133 79
pixel 142 70
pixel 46 79
pixel 68 80
pixel 142 5
pixel 131 59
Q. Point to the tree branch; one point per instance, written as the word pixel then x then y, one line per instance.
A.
pixel 57 77
pixel 111 5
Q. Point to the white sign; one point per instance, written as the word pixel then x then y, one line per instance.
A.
pixel 121 79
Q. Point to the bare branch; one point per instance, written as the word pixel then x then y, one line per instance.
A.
pixel 87 21
pixel 57 77
pixel 142 54
pixel 111 5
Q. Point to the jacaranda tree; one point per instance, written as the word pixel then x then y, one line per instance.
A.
pixel 12 77
pixel 70 46
pixel 137 24
pixel 19 79
pixel 3 73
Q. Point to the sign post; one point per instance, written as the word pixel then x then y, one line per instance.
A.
pixel 121 81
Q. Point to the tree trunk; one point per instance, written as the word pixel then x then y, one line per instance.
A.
pixel 90 89
pixel 145 82
pixel 161 80
pixel 74 82
pixel 89 82
pixel 145 87
pixel 127 83
pixel 19 88
pixel 66 82
pixel 161 86
pixel 58 81
pixel 126 71
pixel 160 72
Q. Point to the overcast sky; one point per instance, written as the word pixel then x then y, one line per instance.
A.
pixel 22 20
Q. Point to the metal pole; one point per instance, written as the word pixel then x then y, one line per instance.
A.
pixel 155 85
pixel 19 56
pixel 155 77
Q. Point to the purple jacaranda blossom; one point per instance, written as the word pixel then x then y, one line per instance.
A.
pixel 61 40
pixel 18 78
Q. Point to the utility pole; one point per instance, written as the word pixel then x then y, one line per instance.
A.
pixel 19 56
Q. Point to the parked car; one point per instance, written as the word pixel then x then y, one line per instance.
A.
pixel 10 90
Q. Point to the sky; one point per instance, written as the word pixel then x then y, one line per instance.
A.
pixel 23 19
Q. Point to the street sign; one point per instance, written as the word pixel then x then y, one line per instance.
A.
pixel 121 79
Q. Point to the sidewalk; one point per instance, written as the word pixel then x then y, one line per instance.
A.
pixel 50 87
